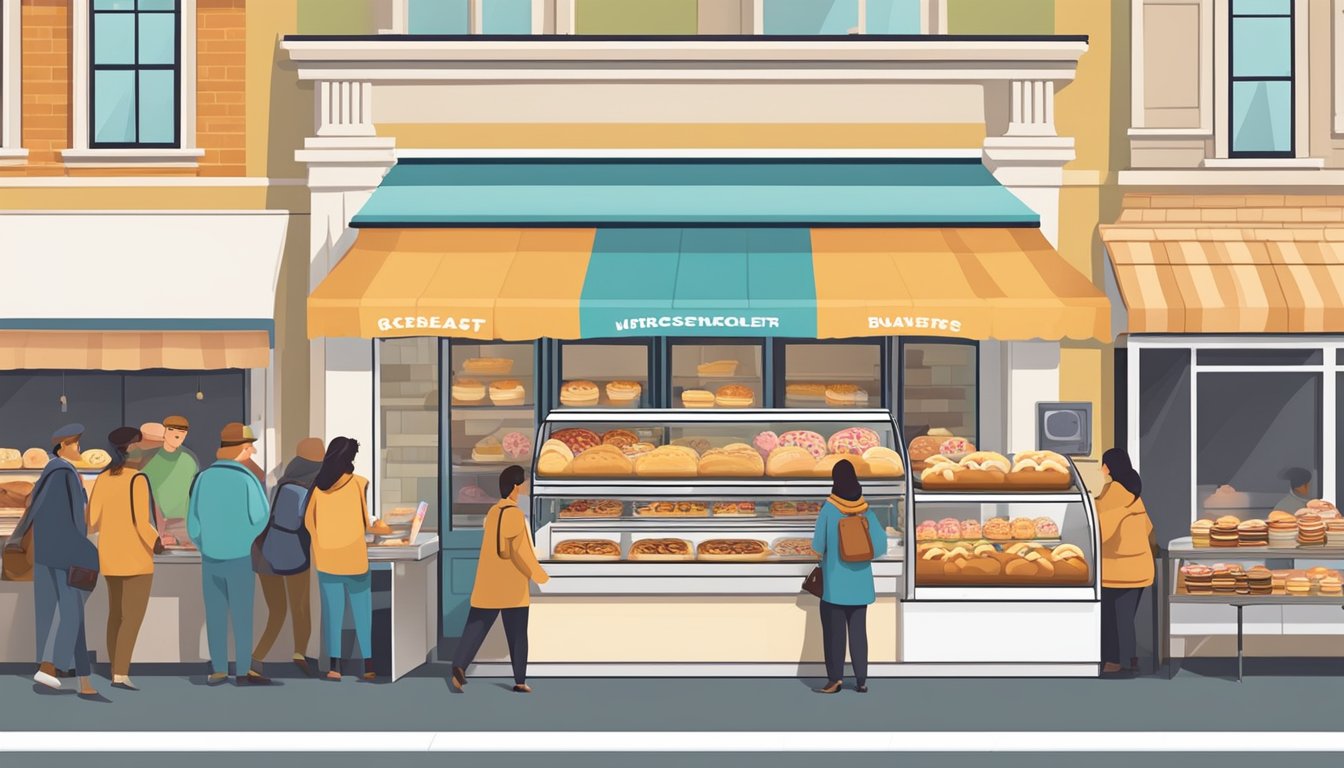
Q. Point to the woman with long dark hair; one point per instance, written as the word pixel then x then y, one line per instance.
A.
pixel 1126 558
pixel 846 582
pixel 337 518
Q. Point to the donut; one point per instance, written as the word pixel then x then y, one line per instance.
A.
pixel 810 441
pixel 517 445
pixel 854 440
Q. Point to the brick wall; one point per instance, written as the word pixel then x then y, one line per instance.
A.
pixel 221 30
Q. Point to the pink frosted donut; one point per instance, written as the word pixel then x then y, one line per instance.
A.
pixel 517 445
pixel 949 528
pixel 812 442
pixel 854 440
pixel 766 442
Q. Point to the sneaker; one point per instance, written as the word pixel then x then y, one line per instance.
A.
pixel 46 675
pixel 218 678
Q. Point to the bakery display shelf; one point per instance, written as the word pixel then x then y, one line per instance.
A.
pixel 525 411
pixel 409 402
pixel 1275 599
pixel 1184 548
pixel 1001 543
pixel 411 441
pixel 1044 593
pixel 525 378
pixel 994 497
pixel 34 473
pixel 480 467
pixel 719 524
pixel 700 487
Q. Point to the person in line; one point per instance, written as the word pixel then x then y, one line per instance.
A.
pixel 847 587
pixel 1299 489
pixel 58 518
pixel 120 512
pixel 285 582
pixel 337 518
pixel 226 512
pixel 507 564
pixel 171 471
pixel 151 440
pixel 1126 557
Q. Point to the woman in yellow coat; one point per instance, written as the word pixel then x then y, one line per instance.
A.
pixel 1126 558
pixel 121 512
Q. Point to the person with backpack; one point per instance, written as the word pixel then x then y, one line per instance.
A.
pixel 337 518
pixel 848 538
pixel 506 566
pixel 281 558
pixel 226 512
pixel 121 509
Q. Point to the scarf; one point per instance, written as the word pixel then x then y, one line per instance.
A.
pixel 846 507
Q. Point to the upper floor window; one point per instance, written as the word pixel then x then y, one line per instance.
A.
pixel 462 17
pixel 1260 46
pixel 842 17
pixel 135 58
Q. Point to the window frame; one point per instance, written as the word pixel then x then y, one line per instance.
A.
pixel 1291 79
pixel 11 83
pixel 135 68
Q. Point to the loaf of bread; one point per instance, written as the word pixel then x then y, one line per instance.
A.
pixel 882 462
pixel 602 461
pixel 10 458
pixel 827 463
pixel 555 458
pixel 35 458
pixel 668 461
pixel 733 460
pixel 790 461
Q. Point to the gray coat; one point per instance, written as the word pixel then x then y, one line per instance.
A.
pixel 60 532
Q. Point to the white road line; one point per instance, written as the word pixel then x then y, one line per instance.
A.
pixel 667 741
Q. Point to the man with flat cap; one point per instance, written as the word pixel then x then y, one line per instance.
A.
pixel 170 473
pixel 1299 489
pixel 57 516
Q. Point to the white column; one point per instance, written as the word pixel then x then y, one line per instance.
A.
pixel 1023 151
pixel 1030 372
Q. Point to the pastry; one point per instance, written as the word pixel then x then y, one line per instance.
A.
pixel 853 440
pixel 488 450
pixel 1282 529
pixel 814 443
pixel 732 549
pixel 1310 530
pixel 939 472
pixel 468 391
pixel 883 462
pixel 1024 528
pixel 697 398
pixel 491 366
pixel 1334 532
pixel 765 442
pixel 507 392
pixel 997 529
pixel 812 394
pixel 734 509
pixel 578 394
pixel 956 446
pixel 94 458
pixel 1224 532
pixel 735 396
pixel 472 494
pixel 795 508
pixel 661 549
pixel 1260 581
pixel 1298 586
pixel 602 461
pixel 790 461
pixel 1253 533
pixel 624 394
pixel 14 494
pixel 1331 586
pixel 517 445
pixel 1242 581
pixel 949 528
pixel 1198 579
pixel 1224 580
pixel 846 396
pixel 733 460
pixel 924 446
pixel 673 509
pixel 1040 469
pixel 597 508
pixel 824 467
pixel 717 368
pixel 587 549
pixel 970 530
pixel 795 548
pixel 1323 508
pixel 1046 528
pixel 555 458
pixel 1200 530
pixel 635 450
pixel 697 444
pixel 668 461
pixel 926 531
pixel 10 458
pixel 983 469
pixel 578 439
pixel 619 437
pixel 1227 497
pixel 35 458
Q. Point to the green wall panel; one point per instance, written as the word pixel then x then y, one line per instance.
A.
pixel 636 17
pixel 336 17
pixel 1002 17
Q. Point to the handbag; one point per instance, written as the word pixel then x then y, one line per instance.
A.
pixel 158 541
pixel 81 575
pixel 812 585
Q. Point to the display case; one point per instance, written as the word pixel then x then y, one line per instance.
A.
pixel 16 485
pixel 677 495
pixel 717 373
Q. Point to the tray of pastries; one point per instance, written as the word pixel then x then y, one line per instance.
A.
pixel 795 508
pixel 989 471
pixel 592 508
pixel 797 548
pixel 734 508
pixel 733 550
pixel 985 563
pixel 661 549
pixel 673 509
pixel 590 550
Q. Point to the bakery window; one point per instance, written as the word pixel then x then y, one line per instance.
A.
pixel 408 411
pixel 831 374
pixel 939 398
pixel 604 375
pixel 717 374
pixel 1163 452
pixel 492 421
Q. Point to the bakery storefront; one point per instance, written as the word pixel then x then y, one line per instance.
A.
pixel 678 352
pixel 129 318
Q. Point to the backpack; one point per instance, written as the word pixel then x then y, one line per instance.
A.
pixel 285 544
pixel 856 542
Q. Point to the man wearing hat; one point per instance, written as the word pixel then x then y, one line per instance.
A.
pixel 226 512
pixel 56 515
pixel 1299 489
pixel 170 473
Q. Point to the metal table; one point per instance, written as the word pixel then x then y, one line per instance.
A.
pixel 1241 602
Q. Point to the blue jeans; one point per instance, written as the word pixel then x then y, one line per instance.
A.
pixel 228 587
pixel 334 590
pixel 54 599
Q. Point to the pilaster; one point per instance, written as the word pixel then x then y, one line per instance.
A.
pixel 1022 149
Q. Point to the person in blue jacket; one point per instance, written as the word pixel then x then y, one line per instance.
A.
pixel 847 587
pixel 226 512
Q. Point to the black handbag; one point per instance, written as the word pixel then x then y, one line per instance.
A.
pixel 812 584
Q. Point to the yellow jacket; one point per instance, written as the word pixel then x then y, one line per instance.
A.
pixel 338 518
pixel 1126 555
pixel 125 545
pixel 502 574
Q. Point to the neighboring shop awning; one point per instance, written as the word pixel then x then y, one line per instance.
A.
pixel 132 290
pixel 1177 276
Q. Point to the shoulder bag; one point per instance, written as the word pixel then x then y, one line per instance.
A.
pixel 158 542
pixel 83 571
pixel 812 585
pixel 499 531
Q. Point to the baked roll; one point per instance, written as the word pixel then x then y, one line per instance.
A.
pixel 602 461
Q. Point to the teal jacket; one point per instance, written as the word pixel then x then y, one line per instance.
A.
pixel 845 583
pixel 227 511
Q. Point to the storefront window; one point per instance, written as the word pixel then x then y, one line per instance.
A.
pixel 723 375
pixel 155 395
pixel 1253 428
pixel 604 376
pixel 493 421
pixel 408 405
pixel 830 374
pixel 939 390
pixel 1164 439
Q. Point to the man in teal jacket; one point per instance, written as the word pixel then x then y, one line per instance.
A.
pixel 227 511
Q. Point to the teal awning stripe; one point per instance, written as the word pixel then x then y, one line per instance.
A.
pixel 788 193
pixel 699 282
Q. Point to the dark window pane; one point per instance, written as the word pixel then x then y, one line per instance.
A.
pixel 30 408
pixel 1259 356
pixel 1164 439
pixel 156 395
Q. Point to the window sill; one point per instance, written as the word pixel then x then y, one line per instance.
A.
pixel 132 158
pixel 13 156
pixel 1269 163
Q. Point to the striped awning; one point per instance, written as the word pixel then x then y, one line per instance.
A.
pixel 133 350
pixel 581 283
pixel 1228 280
